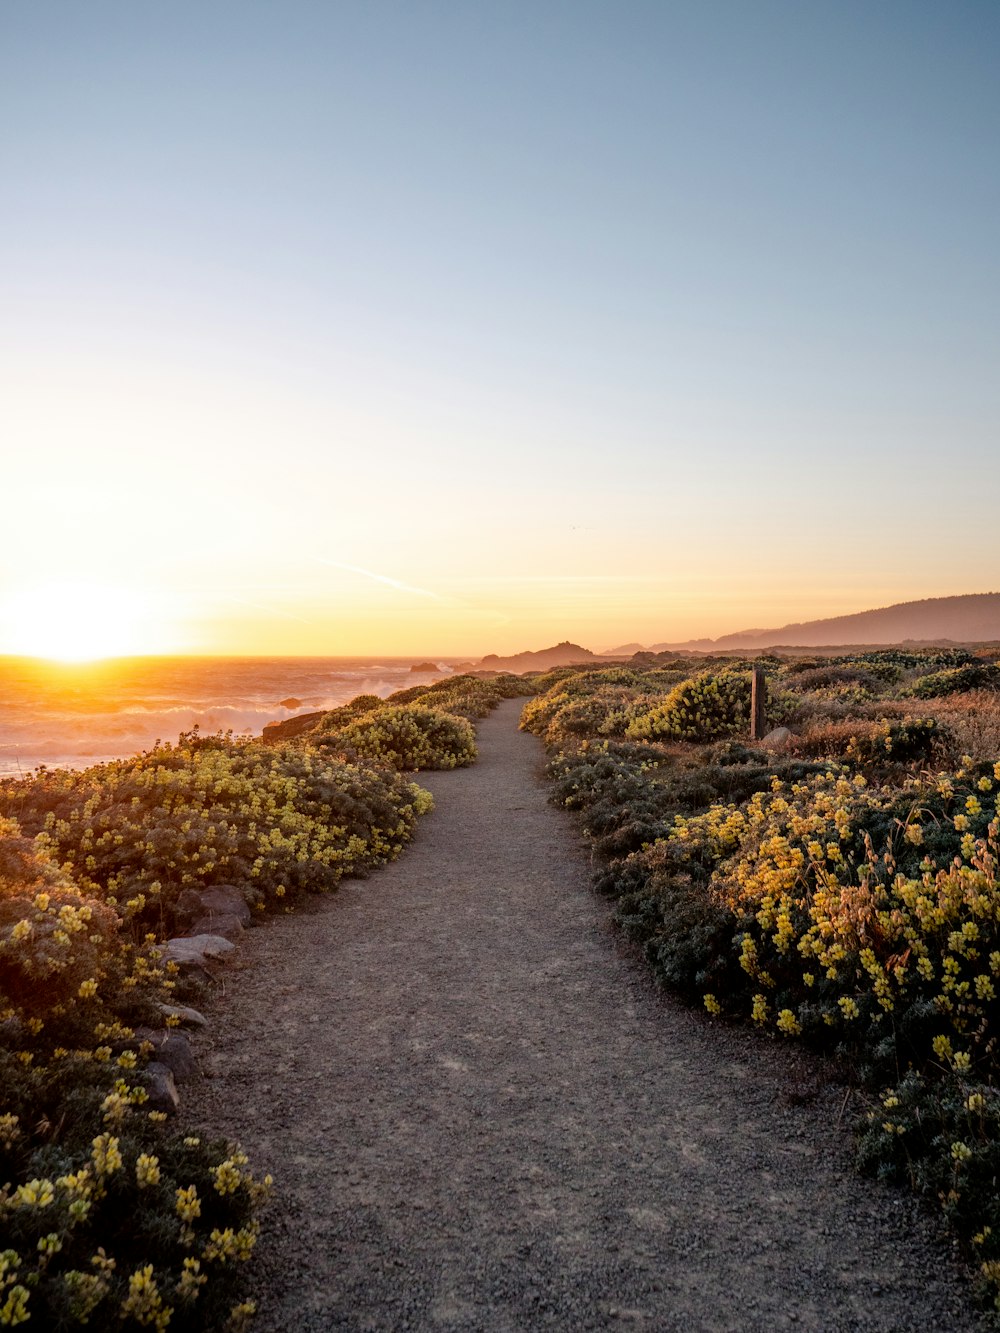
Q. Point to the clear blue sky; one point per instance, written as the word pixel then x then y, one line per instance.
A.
pixel 619 320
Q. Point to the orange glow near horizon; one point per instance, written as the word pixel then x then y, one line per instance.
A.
pixel 327 607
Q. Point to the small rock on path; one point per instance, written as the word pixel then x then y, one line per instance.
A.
pixel 480 1114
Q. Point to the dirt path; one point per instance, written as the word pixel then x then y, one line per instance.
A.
pixel 480 1115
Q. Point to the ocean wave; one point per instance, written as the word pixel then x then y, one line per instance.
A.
pixel 72 722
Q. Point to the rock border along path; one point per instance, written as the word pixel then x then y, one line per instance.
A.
pixel 482 1115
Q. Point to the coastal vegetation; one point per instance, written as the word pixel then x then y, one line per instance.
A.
pixel 837 883
pixel 108 1218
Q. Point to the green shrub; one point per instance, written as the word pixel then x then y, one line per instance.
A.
pixel 336 718
pixel 275 820
pixel 701 708
pixel 913 740
pixel 105 1218
pixel 957 680
pixel 858 910
pixel 466 696
pixel 411 737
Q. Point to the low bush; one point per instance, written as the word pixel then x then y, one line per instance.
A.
pixel 106 1219
pixel 832 676
pixel 913 740
pixel 970 725
pixel 336 718
pixel 705 707
pixel 411 737
pixel 608 710
pixel 837 892
pixel 467 696
pixel 957 680
pixel 275 820
pixel 877 747
pixel 701 708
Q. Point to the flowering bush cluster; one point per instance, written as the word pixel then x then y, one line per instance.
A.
pixel 411 737
pixel 466 696
pixel 850 898
pixel 339 717
pixel 274 820
pixel 106 1219
pixel 596 703
pixel 957 680
pixel 424 726
pixel 703 707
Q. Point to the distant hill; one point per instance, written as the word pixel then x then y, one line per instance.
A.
pixel 626 650
pixel 973 618
pixel 562 654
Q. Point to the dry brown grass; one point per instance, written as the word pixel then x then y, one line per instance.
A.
pixel 815 708
pixel 828 738
pixel 973 721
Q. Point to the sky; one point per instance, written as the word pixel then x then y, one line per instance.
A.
pixel 454 328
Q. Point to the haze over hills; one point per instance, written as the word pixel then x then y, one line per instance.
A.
pixel 971 618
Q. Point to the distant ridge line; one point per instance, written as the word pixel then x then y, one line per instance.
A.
pixel 965 618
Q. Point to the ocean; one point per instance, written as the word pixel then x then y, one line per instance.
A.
pixel 72 715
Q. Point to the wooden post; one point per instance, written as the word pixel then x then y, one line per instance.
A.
pixel 758 705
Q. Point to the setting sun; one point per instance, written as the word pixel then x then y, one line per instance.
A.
pixel 76 620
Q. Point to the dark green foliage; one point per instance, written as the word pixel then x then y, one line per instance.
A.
pixel 941 1136
pixel 466 696
pixel 957 680
pixel 410 737
pixel 214 810
pixel 723 859
pixel 338 718
pixel 911 741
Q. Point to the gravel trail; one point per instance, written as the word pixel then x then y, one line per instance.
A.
pixel 480 1114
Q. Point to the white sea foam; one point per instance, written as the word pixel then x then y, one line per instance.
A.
pixel 75 716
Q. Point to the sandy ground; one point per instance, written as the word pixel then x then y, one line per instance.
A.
pixel 480 1114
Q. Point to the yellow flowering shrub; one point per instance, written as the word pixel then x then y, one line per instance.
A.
pixel 466 696
pixel 710 704
pixel 852 901
pixel 409 737
pixel 275 820
pixel 88 1229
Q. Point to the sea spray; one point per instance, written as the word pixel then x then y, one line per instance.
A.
pixel 74 715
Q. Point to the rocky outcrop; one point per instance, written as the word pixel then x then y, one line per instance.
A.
pixel 161 1090
pixel 198 955
pixel 300 725
pixel 169 1047
pixel 777 739
pixel 173 1049
pixel 215 916
pixel 220 910
pixel 188 1017
pixel 229 927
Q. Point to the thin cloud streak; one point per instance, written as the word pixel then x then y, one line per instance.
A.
pixel 563 578
pixel 389 582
